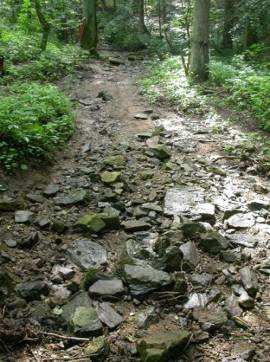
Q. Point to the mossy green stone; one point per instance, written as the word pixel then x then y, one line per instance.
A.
pixel 161 346
pixel 161 152
pixel 98 349
pixel 92 223
pixel 110 177
pixel 117 161
pixel 85 321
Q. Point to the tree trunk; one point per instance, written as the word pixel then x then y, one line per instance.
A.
pixel 89 38
pixel 142 26
pixel 45 26
pixel 200 41
pixel 227 42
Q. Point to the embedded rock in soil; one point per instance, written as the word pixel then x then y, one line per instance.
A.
pixel 51 190
pixel 161 152
pixel 172 259
pixel 91 223
pixel 241 221
pixel 246 240
pixel 196 300
pixel 206 211
pixel 232 306
pixel 85 321
pixel 87 254
pixel 203 279
pixel 147 317
pixel 110 177
pixel 258 204
pixel 182 200
pixel 81 316
pixel 74 198
pixel 249 281
pixel 210 320
pixel 192 230
pixel 23 217
pixel 117 161
pixel 108 315
pixel 144 279
pixel 107 288
pixel 35 197
pixel 162 346
pixel 8 203
pixel 213 242
pixel 190 256
pixel 142 116
pixel 97 350
pixel 135 225
pixel 32 290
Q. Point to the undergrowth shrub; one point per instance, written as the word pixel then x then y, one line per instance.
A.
pixel 248 88
pixel 35 120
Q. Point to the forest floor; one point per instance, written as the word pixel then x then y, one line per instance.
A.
pixel 178 233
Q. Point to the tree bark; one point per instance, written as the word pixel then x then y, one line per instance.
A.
pixel 200 41
pixel 89 37
pixel 142 26
pixel 45 26
pixel 227 42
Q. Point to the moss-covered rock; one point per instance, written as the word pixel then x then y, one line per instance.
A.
pixel 161 152
pixel 117 161
pixel 110 177
pixel 91 223
pixel 98 349
pixel 161 346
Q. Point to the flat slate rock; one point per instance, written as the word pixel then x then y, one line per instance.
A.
pixel 74 198
pixel 106 288
pixel 246 240
pixel 196 300
pixel 87 254
pixel 144 279
pixel 108 315
pixel 241 221
pixel 135 225
pixel 179 201
pixel 190 255
pixel 23 217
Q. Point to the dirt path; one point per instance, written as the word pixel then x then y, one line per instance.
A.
pixel 177 232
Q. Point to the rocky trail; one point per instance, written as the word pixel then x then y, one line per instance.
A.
pixel 144 238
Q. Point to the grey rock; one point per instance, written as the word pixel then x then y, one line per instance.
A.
pixel 205 210
pixel 35 197
pixel 8 203
pixel 246 240
pixel 107 288
pixel 74 198
pixel 258 204
pixel 249 280
pixel 23 217
pixel 196 300
pixel 179 201
pixel 147 317
pixel 32 290
pixel 241 221
pixel 51 190
pixel 87 254
pixel 81 316
pixel 190 255
pixel 135 225
pixel 11 243
pixel 144 279
pixel 232 306
pixel 204 279
pixel 213 242
pixel 210 320
pixel 108 315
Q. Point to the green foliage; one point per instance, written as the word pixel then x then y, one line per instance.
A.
pixel 248 88
pixel 34 121
pixel 166 79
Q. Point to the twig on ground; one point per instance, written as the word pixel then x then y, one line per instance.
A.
pixel 68 338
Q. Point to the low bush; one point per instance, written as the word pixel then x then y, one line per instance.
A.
pixel 248 88
pixel 35 120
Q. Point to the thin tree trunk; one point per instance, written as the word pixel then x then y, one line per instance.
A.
pixel 200 41
pixel 228 24
pixel 89 37
pixel 45 26
pixel 142 26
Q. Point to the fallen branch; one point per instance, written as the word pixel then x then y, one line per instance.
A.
pixel 67 338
